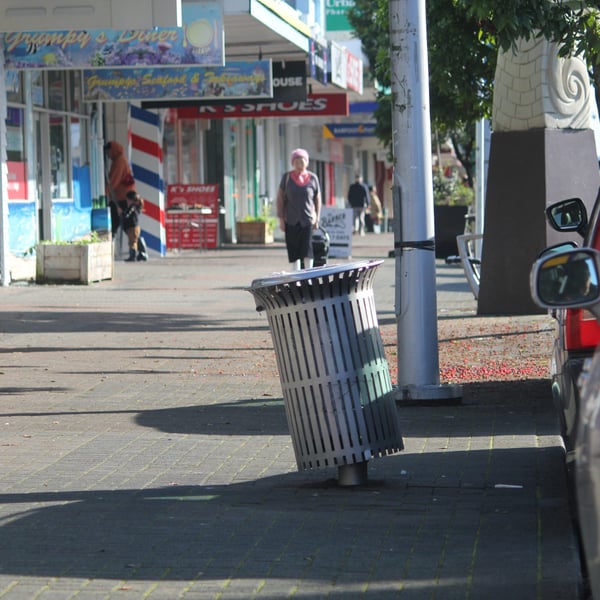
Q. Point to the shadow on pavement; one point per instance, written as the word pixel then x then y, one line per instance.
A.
pixel 21 322
pixel 310 528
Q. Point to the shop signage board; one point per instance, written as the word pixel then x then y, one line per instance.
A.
pixel 319 61
pixel 339 130
pixel 289 84
pixel 192 216
pixel 336 15
pixel 346 68
pixel 236 80
pixel 315 105
pixel 339 224
pixel 199 42
pixel 354 73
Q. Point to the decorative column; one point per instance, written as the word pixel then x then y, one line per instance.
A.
pixel 542 150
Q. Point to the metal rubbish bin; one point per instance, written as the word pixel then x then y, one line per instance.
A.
pixel 333 371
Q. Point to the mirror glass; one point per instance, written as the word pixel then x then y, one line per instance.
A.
pixel 568 279
pixel 567 215
pixel 557 248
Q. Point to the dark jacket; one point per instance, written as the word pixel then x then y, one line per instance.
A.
pixel 131 216
pixel 358 195
pixel 120 178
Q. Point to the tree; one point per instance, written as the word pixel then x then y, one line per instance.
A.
pixel 574 25
pixel 462 63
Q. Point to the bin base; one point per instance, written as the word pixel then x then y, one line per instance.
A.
pixel 355 474
pixel 443 393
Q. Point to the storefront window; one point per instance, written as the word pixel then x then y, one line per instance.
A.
pixel 183 158
pixel 75 89
pixel 57 98
pixel 37 88
pixel 58 163
pixel 191 159
pixel 15 148
pixel 14 87
pixel 15 154
pixel 170 151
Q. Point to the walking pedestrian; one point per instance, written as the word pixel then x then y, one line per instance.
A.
pixel 358 199
pixel 120 181
pixel 375 209
pixel 299 210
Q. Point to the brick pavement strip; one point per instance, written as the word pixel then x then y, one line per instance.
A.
pixel 147 456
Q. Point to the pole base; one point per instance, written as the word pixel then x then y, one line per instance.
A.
pixel 438 394
pixel 355 474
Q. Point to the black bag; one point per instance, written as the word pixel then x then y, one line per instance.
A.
pixel 320 244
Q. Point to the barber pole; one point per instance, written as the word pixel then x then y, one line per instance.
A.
pixel 147 165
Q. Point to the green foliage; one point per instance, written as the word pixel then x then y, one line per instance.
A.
pixel 92 238
pixel 264 217
pixel 451 192
pixel 573 25
pixel 463 37
pixel 461 70
pixel 461 63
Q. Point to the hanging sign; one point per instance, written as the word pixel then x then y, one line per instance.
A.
pixel 237 80
pixel 315 105
pixel 318 61
pixel 200 42
pixel 338 130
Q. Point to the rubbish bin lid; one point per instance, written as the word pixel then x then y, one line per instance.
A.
pixel 314 273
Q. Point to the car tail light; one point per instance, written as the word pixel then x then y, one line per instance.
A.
pixel 582 331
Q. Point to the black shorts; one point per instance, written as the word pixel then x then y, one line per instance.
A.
pixel 298 241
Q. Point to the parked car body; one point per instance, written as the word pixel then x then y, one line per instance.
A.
pixel 577 331
pixel 563 280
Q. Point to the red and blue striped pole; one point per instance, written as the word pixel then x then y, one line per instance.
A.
pixel 147 165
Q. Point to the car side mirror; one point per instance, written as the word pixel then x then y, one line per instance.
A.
pixel 567 280
pixel 568 215
pixel 561 247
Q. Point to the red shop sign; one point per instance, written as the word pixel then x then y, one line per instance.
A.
pixel 315 105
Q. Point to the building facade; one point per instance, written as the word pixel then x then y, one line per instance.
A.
pixel 55 135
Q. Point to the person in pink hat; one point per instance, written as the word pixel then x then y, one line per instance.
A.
pixel 299 210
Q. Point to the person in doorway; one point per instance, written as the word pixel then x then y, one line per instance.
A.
pixel 299 210
pixel 131 226
pixel 375 209
pixel 119 182
pixel 358 199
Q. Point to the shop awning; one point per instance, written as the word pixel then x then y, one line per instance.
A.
pixel 264 29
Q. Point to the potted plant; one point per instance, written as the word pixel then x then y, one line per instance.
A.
pixel 257 230
pixel 452 201
pixel 79 261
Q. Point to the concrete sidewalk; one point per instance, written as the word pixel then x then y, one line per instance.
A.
pixel 145 454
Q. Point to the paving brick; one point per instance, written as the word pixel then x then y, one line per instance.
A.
pixel 145 454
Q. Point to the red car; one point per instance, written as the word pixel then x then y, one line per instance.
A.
pixel 562 281
pixel 578 331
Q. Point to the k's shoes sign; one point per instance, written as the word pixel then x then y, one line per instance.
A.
pixel 315 105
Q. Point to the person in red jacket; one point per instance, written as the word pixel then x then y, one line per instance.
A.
pixel 120 181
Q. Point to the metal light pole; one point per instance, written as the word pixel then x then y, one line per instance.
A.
pixel 416 304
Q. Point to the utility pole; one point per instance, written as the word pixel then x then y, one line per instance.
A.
pixel 414 240
pixel 4 246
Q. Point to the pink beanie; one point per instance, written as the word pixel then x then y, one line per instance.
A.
pixel 299 153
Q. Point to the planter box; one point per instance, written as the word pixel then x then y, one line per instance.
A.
pixel 254 232
pixel 449 222
pixel 74 263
